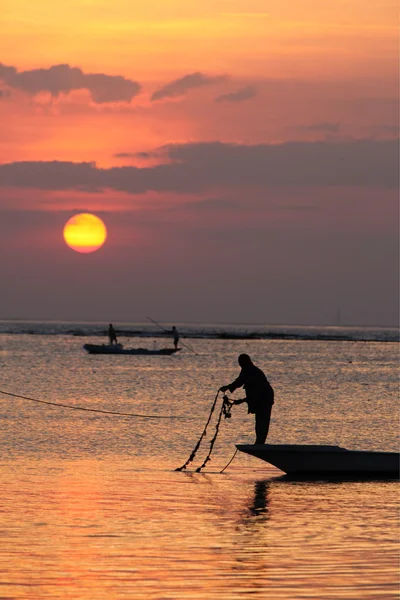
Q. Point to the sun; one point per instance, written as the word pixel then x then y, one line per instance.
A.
pixel 85 233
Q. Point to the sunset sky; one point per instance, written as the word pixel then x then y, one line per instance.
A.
pixel 243 155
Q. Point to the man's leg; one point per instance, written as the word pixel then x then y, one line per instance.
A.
pixel 262 424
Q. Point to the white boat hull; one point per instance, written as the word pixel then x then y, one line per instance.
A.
pixel 325 460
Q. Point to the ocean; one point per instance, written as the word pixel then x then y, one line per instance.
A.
pixel 91 507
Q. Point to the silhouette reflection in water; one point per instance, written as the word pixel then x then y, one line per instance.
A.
pixel 260 500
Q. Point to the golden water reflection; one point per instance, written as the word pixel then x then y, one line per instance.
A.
pixel 94 530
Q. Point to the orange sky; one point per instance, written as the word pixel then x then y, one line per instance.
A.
pixel 160 39
pixel 347 45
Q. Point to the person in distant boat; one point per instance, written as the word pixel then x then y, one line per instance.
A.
pixel 112 336
pixel 175 335
pixel 259 395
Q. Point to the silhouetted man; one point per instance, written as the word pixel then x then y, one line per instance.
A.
pixel 112 336
pixel 259 395
pixel 175 335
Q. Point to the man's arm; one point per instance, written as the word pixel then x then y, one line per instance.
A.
pixel 239 382
pixel 236 402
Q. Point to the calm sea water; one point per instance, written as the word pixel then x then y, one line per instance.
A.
pixel 91 507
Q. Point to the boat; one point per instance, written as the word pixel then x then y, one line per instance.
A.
pixel 311 461
pixel 119 349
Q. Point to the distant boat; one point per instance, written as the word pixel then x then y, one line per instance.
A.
pixel 119 349
pixel 325 461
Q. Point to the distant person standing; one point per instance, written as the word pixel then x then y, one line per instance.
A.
pixel 112 336
pixel 259 395
pixel 175 335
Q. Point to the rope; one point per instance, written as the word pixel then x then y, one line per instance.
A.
pixel 95 410
pixel 226 466
pixel 193 454
pixel 226 411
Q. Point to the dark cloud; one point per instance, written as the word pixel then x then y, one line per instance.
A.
pixel 181 86
pixel 60 79
pixel 50 175
pixel 145 155
pixel 244 93
pixel 194 168
pixel 365 162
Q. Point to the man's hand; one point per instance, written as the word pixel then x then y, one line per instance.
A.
pixel 236 402
pixel 224 388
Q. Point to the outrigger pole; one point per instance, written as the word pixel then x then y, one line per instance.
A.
pixel 166 331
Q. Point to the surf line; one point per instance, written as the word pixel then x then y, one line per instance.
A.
pixel 95 410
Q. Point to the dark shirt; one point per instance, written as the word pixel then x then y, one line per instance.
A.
pixel 259 393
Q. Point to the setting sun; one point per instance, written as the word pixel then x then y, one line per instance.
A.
pixel 85 233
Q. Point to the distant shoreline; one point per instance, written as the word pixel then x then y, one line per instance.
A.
pixel 204 331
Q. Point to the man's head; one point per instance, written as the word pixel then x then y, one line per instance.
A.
pixel 244 360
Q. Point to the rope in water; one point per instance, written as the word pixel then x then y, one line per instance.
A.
pixel 226 411
pixel 227 465
pixel 95 410
pixel 193 454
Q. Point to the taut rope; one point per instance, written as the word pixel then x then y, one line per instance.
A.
pixel 95 410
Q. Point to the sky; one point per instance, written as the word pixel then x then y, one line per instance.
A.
pixel 243 155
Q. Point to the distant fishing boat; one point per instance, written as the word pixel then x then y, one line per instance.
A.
pixel 119 349
pixel 325 461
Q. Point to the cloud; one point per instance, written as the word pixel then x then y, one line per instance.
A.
pixel 244 93
pixel 125 154
pixel 195 168
pixel 59 79
pixel 181 86
pixel 365 162
pixel 143 155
